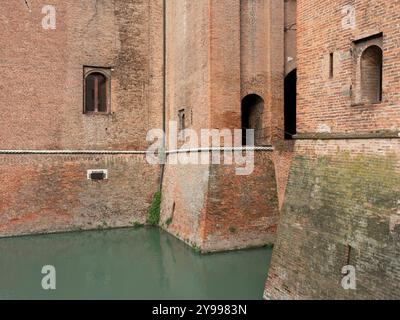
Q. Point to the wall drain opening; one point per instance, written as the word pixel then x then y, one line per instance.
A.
pixel 97 175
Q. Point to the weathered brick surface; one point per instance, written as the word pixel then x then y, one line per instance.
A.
pixel 42 85
pixel 340 193
pixel 327 103
pixel 282 158
pixel 222 210
pixel 184 202
pixel 187 80
pixel 290 35
pixel 42 108
pixel 40 194
pixel 242 211
pixel 208 73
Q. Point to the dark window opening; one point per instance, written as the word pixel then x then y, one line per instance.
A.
pixel 290 112
pixel 371 74
pixel 182 119
pixel 96 93
pixel 252 111
pixel 331 62
pixel 97 176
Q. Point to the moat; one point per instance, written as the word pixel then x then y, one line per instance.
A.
pixel 144 263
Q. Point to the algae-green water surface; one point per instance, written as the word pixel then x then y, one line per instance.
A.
pixel 144 263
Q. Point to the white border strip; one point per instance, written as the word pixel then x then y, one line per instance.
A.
pixel 111 152
pixel 70 152
pixel 269 148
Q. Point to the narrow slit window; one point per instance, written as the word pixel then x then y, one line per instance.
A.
pixel 331 65
pixel 182 120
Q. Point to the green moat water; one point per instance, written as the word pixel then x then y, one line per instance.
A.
pixel 143 263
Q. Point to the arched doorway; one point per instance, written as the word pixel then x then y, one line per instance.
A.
pixel 252 111
pixel 290 113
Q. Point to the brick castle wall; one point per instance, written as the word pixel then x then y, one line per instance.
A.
pixel 333 98
pixel 340 193
pixel 341 202
pixel 185 187
pixel 42 108
pixel 218 52
pixel 242 211
pixel 208 74
pixel 51 193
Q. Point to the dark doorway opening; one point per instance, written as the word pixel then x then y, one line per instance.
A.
pixel 290 104
pixel 252 111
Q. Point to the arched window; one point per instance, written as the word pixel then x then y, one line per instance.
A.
pixel 96 93
pixel 290 104
pixel 252 111
pixel 371 74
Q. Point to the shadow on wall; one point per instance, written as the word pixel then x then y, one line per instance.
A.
pixel 252 111
pixel 290 104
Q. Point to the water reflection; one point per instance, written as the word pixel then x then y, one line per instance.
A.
pixel 141 263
